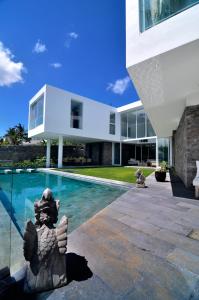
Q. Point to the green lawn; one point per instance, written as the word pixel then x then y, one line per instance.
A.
pixel 116 173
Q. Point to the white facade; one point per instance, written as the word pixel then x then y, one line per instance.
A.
pixel 61 115
pixel 57 117
pixel 163 64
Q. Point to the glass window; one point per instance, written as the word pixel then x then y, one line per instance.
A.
pixel 153 12
pixel 132 124
pixel 116 153
pixel 140 123
pixel 163 149
pixel 36 113
pixel 76 114
pixel 136 124
pixel 124 124
pixel 112 123
pixel 150 131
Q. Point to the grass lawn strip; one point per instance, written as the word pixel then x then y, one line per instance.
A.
pixel 114 173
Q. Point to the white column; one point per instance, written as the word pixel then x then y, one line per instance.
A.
pixel 60 152
pixel 48 154
pixel 113 153
pixel 135 152
pixel 156 154
pixel 120 153
pixel 170 151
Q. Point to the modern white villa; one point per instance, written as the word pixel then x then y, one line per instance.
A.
pixel 162 58
pixel 114 136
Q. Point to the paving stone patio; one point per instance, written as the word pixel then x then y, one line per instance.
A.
pixel 143 246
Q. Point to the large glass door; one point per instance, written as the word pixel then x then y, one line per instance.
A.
pixel 116 154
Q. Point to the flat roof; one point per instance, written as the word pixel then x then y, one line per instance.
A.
pixel 130 106
pixel 118 109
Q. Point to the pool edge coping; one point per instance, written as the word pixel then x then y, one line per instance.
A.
pixel 89 178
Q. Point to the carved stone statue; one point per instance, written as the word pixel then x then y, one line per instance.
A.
pixel 140 181
pixel 45 246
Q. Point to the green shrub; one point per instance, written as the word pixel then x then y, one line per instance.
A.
pixel 36 163
pixel 163 167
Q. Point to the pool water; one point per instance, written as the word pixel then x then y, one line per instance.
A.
pixel 79 200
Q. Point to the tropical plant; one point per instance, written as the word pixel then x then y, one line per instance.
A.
pixel 1 140
pixel 160 173
pixel 39 162
pixel 162 167
pixel 16 135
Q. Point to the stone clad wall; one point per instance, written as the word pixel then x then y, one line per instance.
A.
pixel 94 153
pixel 100 153
pixel 107 154
pixel 31 152
pixel 186 141
pixel 180 149
pixel 19 153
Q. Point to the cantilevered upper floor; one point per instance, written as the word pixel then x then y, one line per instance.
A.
pixel 54 112
pixel 162 46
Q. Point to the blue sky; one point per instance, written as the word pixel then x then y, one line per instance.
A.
pixel 77 45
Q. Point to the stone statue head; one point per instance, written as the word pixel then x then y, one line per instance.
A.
pixel 46 209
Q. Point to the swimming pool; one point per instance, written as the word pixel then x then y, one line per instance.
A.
pixel 79 199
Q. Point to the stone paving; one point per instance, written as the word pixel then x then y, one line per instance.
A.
pixel 144 245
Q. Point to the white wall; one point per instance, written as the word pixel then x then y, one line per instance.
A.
pixel 39 129
pixel 169 34
pixel 164 66
pixel 95 117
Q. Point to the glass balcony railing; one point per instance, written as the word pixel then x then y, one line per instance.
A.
pixel 11 241
pixel 6 180
pixel 153 12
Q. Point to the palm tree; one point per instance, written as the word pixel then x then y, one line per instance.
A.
pixel 22 133
pixel 17 135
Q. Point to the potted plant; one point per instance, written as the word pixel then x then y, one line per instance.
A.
pixel 160 173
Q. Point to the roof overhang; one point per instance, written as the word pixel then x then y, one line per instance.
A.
pixel 167 84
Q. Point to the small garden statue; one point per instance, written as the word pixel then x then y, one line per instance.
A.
pixel 45 247
pixel 140 181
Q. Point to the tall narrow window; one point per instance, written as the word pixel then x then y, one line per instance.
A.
pixel 116 153
pixel 36 113
pixel 76 115
pixel 140 123
pixel 163 149
pixel 132 124
pixel 112 123
pixel 124 124
pixel 150 131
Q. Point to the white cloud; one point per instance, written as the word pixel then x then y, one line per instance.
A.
pixel 71 36
pixel 56 65
pixel 39 47
pixel 119 86
pixel 10 71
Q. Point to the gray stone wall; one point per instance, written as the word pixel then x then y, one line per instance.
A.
pixel 107 154
pixel 100 153
pixel 92 151
pixel 186 141
pixel 31 152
